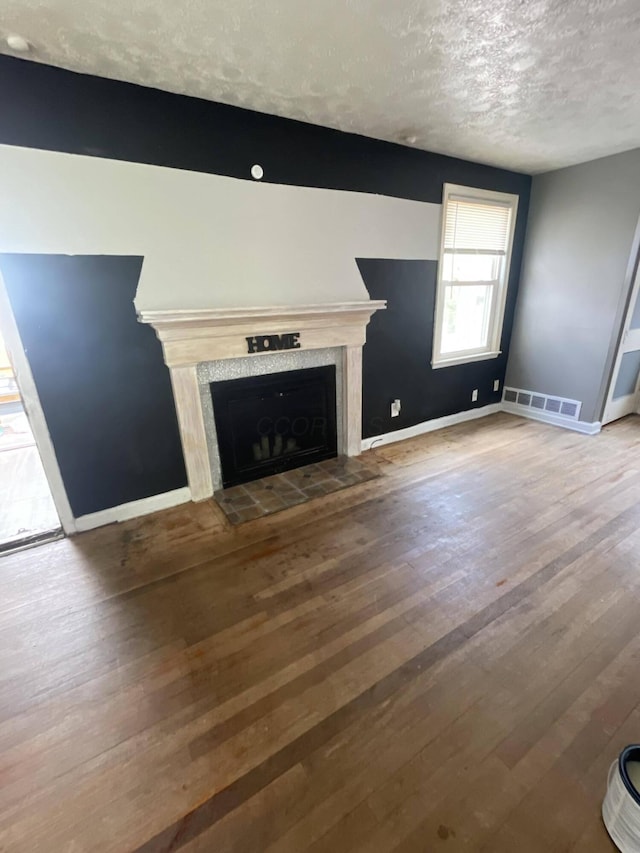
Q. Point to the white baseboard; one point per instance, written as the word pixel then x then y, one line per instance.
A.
pixel 430 426
pixel 180 496
pixel 585 427
pixel 133 509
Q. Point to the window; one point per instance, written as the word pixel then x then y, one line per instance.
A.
pixel 477 234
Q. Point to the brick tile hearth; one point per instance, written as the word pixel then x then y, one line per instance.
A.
pixel 281 491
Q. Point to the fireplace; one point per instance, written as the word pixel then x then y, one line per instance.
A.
pixel 268 424
pixel 195 340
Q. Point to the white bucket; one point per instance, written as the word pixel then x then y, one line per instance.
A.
pixel 621 806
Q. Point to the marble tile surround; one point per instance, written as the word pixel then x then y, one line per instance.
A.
pixel 238 368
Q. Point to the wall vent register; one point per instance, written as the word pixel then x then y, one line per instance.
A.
pixel 563 406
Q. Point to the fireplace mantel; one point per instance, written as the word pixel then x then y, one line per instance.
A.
pixel 190 337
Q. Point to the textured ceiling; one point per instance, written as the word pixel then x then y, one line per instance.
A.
pixel 524 84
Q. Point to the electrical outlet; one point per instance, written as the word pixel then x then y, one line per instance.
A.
pixel 496 384
pixel 395 408
pixel 474 395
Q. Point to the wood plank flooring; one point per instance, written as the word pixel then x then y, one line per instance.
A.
pixel 444 658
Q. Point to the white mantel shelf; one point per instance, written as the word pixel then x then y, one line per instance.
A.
pixel 192 336
pixel 223 316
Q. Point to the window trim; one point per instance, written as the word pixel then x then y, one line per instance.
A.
pixel 496 322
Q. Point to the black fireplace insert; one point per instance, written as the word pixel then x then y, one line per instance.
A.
pixel 268 424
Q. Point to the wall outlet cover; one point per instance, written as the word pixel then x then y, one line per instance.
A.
pixel 474 395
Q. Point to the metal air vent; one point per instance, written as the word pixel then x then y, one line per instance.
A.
pixel 521 399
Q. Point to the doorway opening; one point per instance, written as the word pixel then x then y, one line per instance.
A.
pixel 623 396
pixel 27 511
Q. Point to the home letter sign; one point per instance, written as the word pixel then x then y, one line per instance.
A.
pixel 271 343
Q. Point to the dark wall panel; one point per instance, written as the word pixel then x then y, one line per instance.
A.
pixel 100 375
pixel 397 355
pixel 45 107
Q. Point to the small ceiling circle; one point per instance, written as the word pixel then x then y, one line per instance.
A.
pixel 257 172
pixel 18 43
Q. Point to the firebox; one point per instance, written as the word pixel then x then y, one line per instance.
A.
pixel 268 424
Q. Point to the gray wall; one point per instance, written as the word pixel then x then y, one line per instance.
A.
pixel 573 287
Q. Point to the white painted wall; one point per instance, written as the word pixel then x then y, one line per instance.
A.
pixel 208 241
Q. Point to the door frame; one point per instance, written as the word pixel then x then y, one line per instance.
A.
pixel 33 408
pixel 614 409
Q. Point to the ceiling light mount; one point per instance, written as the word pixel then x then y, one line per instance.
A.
pixel 18 43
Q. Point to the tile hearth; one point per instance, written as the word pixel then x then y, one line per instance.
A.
pixel 281 491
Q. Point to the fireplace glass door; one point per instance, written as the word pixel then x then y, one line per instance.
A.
pixel 268 424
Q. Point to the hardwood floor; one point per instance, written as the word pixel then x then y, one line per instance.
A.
pixel 444 658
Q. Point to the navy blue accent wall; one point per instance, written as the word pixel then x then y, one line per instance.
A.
pixel 396 361
pixel 397 355
pixel 45 107
pixel 101 379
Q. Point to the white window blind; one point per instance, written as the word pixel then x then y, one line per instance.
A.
pixel 475 227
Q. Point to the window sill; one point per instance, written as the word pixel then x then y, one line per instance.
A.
pixel 465 359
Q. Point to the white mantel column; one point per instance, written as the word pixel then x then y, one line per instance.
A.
pixel 192 430
pixel 352 392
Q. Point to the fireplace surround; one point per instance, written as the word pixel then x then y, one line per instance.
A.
pixel 193 340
